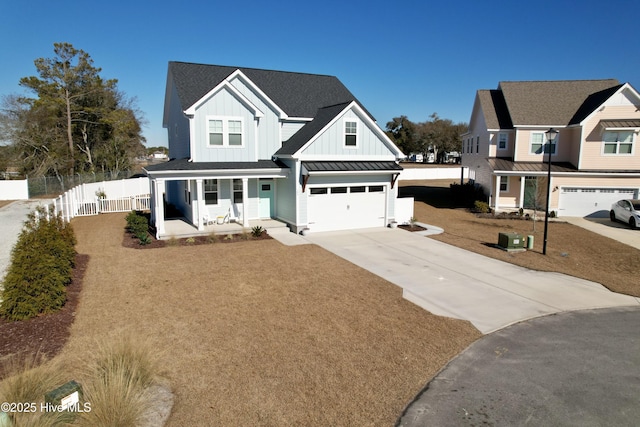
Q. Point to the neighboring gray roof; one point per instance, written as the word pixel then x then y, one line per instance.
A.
pixel 547 103
pixel 352 166
pixel 297 94
pixel 186 165
pixel 496 114
pixel 320 119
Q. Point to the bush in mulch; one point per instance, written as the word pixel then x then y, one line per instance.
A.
pixel 44 335
pixel 130 241
pixel 40 269
pixel 410 227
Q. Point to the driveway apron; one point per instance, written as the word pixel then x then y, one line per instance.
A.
pixel 449 281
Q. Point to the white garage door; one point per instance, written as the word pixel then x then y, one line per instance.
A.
pixel 577 201
pixel 346 207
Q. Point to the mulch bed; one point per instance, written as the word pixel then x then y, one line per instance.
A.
pixel 44 335
pixel 412 228
pixel 131 241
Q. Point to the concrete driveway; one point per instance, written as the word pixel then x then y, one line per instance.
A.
pixel 574 369
pixel 604 226
pixel 449 281
pixel 12 217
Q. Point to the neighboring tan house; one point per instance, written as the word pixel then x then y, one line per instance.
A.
pixel 595 158
pixel 248 144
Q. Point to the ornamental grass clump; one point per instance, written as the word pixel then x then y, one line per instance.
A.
pixel 117 383
pixel 41 267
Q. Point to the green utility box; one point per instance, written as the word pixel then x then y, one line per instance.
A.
pixel 511 241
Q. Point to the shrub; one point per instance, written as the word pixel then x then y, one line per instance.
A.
pixel 190 240
pixel 213 238
pixel 137 223
pixel 41 266
pixel 257 231
pixel 144 238
pixel 466 194
pixel 480 206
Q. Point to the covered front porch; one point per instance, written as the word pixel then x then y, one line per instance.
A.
pixel 180 228
pixel 522 185
pixel 190 198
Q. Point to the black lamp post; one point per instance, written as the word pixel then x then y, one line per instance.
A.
pixel 551 136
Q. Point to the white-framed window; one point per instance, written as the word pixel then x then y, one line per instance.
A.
pixel 617 142
pixel 503 140
pixel 350 133
pixel 504 184
pixel 211 191
pixel 187 193
pixel 225 132
pixel 539 144
pixel 477 144
pixel 237 191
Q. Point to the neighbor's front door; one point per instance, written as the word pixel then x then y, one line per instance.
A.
pixel 265 191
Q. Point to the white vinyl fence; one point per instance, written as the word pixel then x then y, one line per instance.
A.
pixel 410 173
pixel 101 197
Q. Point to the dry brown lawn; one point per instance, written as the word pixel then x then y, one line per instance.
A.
pixel 5 202
pixel 570 249
pixel 258 333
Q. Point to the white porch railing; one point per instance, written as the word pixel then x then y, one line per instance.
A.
pixel 75 203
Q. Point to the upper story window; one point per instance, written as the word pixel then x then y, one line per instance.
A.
pixel 617 142
pixel 477 144
pixel 350 133
pixel 225 132
pixel 539 144
pixel 503 139
pixel 211 191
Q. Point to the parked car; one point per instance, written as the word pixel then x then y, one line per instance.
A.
pixel 627 210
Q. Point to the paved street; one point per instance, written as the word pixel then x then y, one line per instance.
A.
pixel 572 369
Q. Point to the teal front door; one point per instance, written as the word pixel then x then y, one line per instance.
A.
pixel 265 193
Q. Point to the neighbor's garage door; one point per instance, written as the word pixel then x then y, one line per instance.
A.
pixel 346 207
pixel 576 201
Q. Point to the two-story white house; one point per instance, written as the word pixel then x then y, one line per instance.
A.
pixel 595 160
pixel 247 144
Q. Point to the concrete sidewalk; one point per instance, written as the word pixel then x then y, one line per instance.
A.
pixel 449 281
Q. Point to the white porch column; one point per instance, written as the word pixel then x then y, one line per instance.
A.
pixel 521 200
pixel 200 205
pixel 245 202
pixel 159 206
pixel 152 201
pixel 496 196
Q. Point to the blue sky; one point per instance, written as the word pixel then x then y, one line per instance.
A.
pixel 408 58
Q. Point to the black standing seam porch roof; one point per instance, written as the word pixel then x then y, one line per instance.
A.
pixel 352 166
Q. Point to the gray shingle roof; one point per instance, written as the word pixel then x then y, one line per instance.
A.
pixel 554 102
pixel 321 118
pixel 297 94
pixel 496 114
pixel 186 165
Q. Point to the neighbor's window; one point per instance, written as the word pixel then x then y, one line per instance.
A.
pixel 539 140
pixel 504 183
pixel 211 191
pixel 618 142
pixel 237 191
pixel 502 141
pixel 477 145
pixel 350 133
